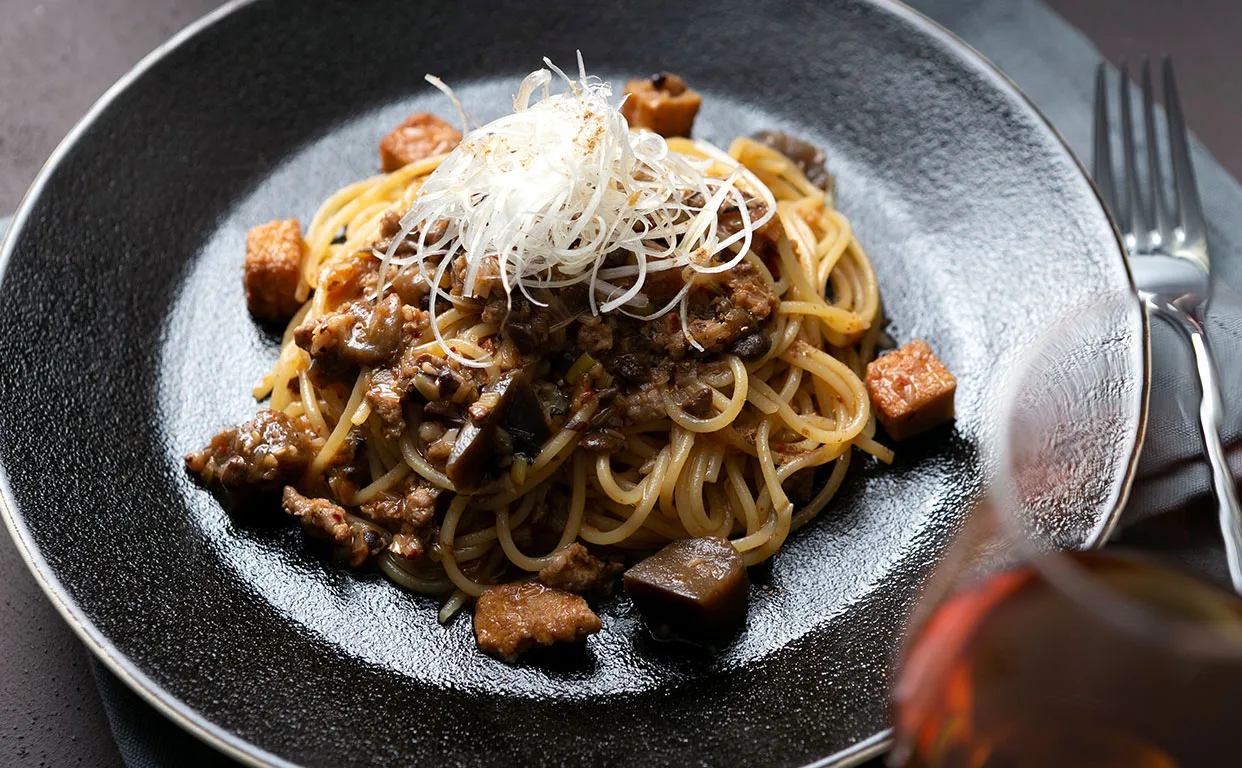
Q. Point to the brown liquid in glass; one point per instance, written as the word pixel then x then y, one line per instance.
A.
pixel 1013 673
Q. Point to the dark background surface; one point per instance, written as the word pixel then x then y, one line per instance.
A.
pixel 58 56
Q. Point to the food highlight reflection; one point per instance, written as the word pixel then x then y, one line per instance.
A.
pixel 572 331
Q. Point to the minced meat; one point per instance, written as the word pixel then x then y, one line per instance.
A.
pixel 365 333
pixel 574 569
pixel 353 540
pixel 408 510
pixel 262 455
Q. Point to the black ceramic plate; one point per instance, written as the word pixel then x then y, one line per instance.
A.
pixel 124 342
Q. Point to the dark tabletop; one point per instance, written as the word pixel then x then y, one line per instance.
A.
pixel 58 56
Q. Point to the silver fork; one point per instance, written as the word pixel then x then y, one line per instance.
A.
pixel 1168 251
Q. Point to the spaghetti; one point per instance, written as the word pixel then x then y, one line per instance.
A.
pixel 629 461
pixel 801 406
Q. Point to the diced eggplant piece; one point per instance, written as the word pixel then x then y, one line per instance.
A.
pixel 695 589
pixel 510 420
pixel 753 346
pixel 524 418
pixel 472 456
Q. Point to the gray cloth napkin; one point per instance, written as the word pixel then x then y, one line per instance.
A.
pixel 1054 64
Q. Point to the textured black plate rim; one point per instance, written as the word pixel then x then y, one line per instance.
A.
pixel 245 752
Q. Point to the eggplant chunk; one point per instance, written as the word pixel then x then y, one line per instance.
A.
pixel 695 589
pixel 472 456
pixel 508 418
pixel 524 418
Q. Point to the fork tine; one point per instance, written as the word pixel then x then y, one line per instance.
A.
pixel 1102 161
pixel 1187 206
pixel 1132 212
pixel 1162 218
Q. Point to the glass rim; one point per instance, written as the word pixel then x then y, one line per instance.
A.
pixel 1014 518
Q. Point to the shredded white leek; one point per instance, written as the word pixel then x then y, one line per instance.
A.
pixel 540 198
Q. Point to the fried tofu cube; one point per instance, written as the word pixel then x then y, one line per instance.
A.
pixel 662 104
pixel 911 390
pixel 274 253
pixel 419 137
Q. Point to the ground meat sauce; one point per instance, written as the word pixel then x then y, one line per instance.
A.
pixel 353 540
pixel 262 455
pixel 641 405
pixel 727 314
pixel 385 395
pixel 408 511
pixel 574 569
pixel 365 333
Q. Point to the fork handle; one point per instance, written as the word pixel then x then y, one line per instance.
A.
pixel 1210 414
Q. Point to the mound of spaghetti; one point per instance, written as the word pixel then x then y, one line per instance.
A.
pixel 556 343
